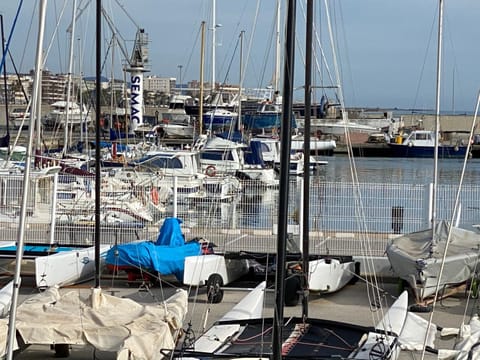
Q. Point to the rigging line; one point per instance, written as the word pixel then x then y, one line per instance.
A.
pixel 192 50
pixel 57 26
pixel 345 41
pixel 348 140
pixel 126 13
pixel 10 36
pixel 432 28
pixel 454 214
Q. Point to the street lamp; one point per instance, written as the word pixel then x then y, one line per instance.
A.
pixel 180 77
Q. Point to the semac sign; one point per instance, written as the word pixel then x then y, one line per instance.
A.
pixel 136 100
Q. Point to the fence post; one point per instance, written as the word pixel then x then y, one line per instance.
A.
pixel 397 219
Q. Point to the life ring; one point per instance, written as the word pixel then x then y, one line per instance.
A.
pixel 210 171
pixel 154 195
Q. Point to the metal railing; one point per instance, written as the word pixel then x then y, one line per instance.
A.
pixel 343 217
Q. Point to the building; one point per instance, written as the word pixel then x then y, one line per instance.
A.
pixel 158 85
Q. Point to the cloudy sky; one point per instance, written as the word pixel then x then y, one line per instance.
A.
pixel 385 50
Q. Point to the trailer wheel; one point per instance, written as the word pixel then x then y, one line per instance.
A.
pixel 214 289
pixel 62 350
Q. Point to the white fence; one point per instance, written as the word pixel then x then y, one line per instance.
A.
pixel 345 219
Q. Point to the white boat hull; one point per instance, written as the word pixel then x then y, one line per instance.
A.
pixel 66 267
pixel 177 130
pixel 6 299
pixel 330 275
pixel 198 269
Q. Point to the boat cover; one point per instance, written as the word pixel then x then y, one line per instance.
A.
pixel 418 256
pixel 165 256
pixel 108 323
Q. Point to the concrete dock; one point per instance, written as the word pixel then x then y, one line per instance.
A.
pixel 352 304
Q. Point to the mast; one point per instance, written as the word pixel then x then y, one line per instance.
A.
pixel 284 180
pixel 69 81
pixel 214 39
pixel 276 74
pixel 98 88
pixel 437 115
pixel 4 55
pixel 239 121
pixel 202 59
pixel 26 178
pixel 306 145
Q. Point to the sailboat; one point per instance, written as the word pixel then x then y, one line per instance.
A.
pixel 434 261
pixel 303 336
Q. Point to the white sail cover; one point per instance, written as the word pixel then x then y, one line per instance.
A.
pixel 108 323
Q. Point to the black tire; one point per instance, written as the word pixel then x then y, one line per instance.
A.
pixel 420 308
pixel 62 350
pixel 292 291
pixel 214 289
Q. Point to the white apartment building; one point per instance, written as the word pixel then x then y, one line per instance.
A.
pixel 158 84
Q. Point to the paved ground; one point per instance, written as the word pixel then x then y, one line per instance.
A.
pixel 349 305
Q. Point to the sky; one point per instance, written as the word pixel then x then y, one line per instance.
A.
pixel 385 51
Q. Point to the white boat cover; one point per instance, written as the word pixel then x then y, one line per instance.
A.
pixel 466 346
pixel 108 323
pixel 417 258
pixel 410 328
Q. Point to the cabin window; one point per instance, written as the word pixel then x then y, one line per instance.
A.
pixel 216 155
pixel 164 163
pixel 422 136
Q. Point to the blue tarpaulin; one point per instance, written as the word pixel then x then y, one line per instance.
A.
pixel 165 256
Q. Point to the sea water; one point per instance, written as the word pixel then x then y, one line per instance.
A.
pixel 399 170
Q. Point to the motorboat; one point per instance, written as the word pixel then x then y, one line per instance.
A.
pixel 421 144
pixel 61 111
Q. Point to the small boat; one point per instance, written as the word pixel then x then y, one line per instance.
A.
pixel 219 118
pixel 417 258
pixel 66 267
pixel 421 144
pixel 57 116
pixel 165 256
pixel 266 116
pixel 20 117
pixel 174 125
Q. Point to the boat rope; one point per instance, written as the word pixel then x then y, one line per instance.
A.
pixel 7 45
pixel 373 288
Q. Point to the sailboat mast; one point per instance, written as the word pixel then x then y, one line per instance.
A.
pixel 214 39
pixel 306 145
pixel 26 182
pixel 4 55
pixel 276 75
pixel 437 113
pixel 69 80
pixel 284 179
pixel 98 89
pixel 202 60
pixel 240 83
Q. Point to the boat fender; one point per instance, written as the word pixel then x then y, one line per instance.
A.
pixel 456 148
pixel 210 171
pixel 154 195
pixel 410 144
